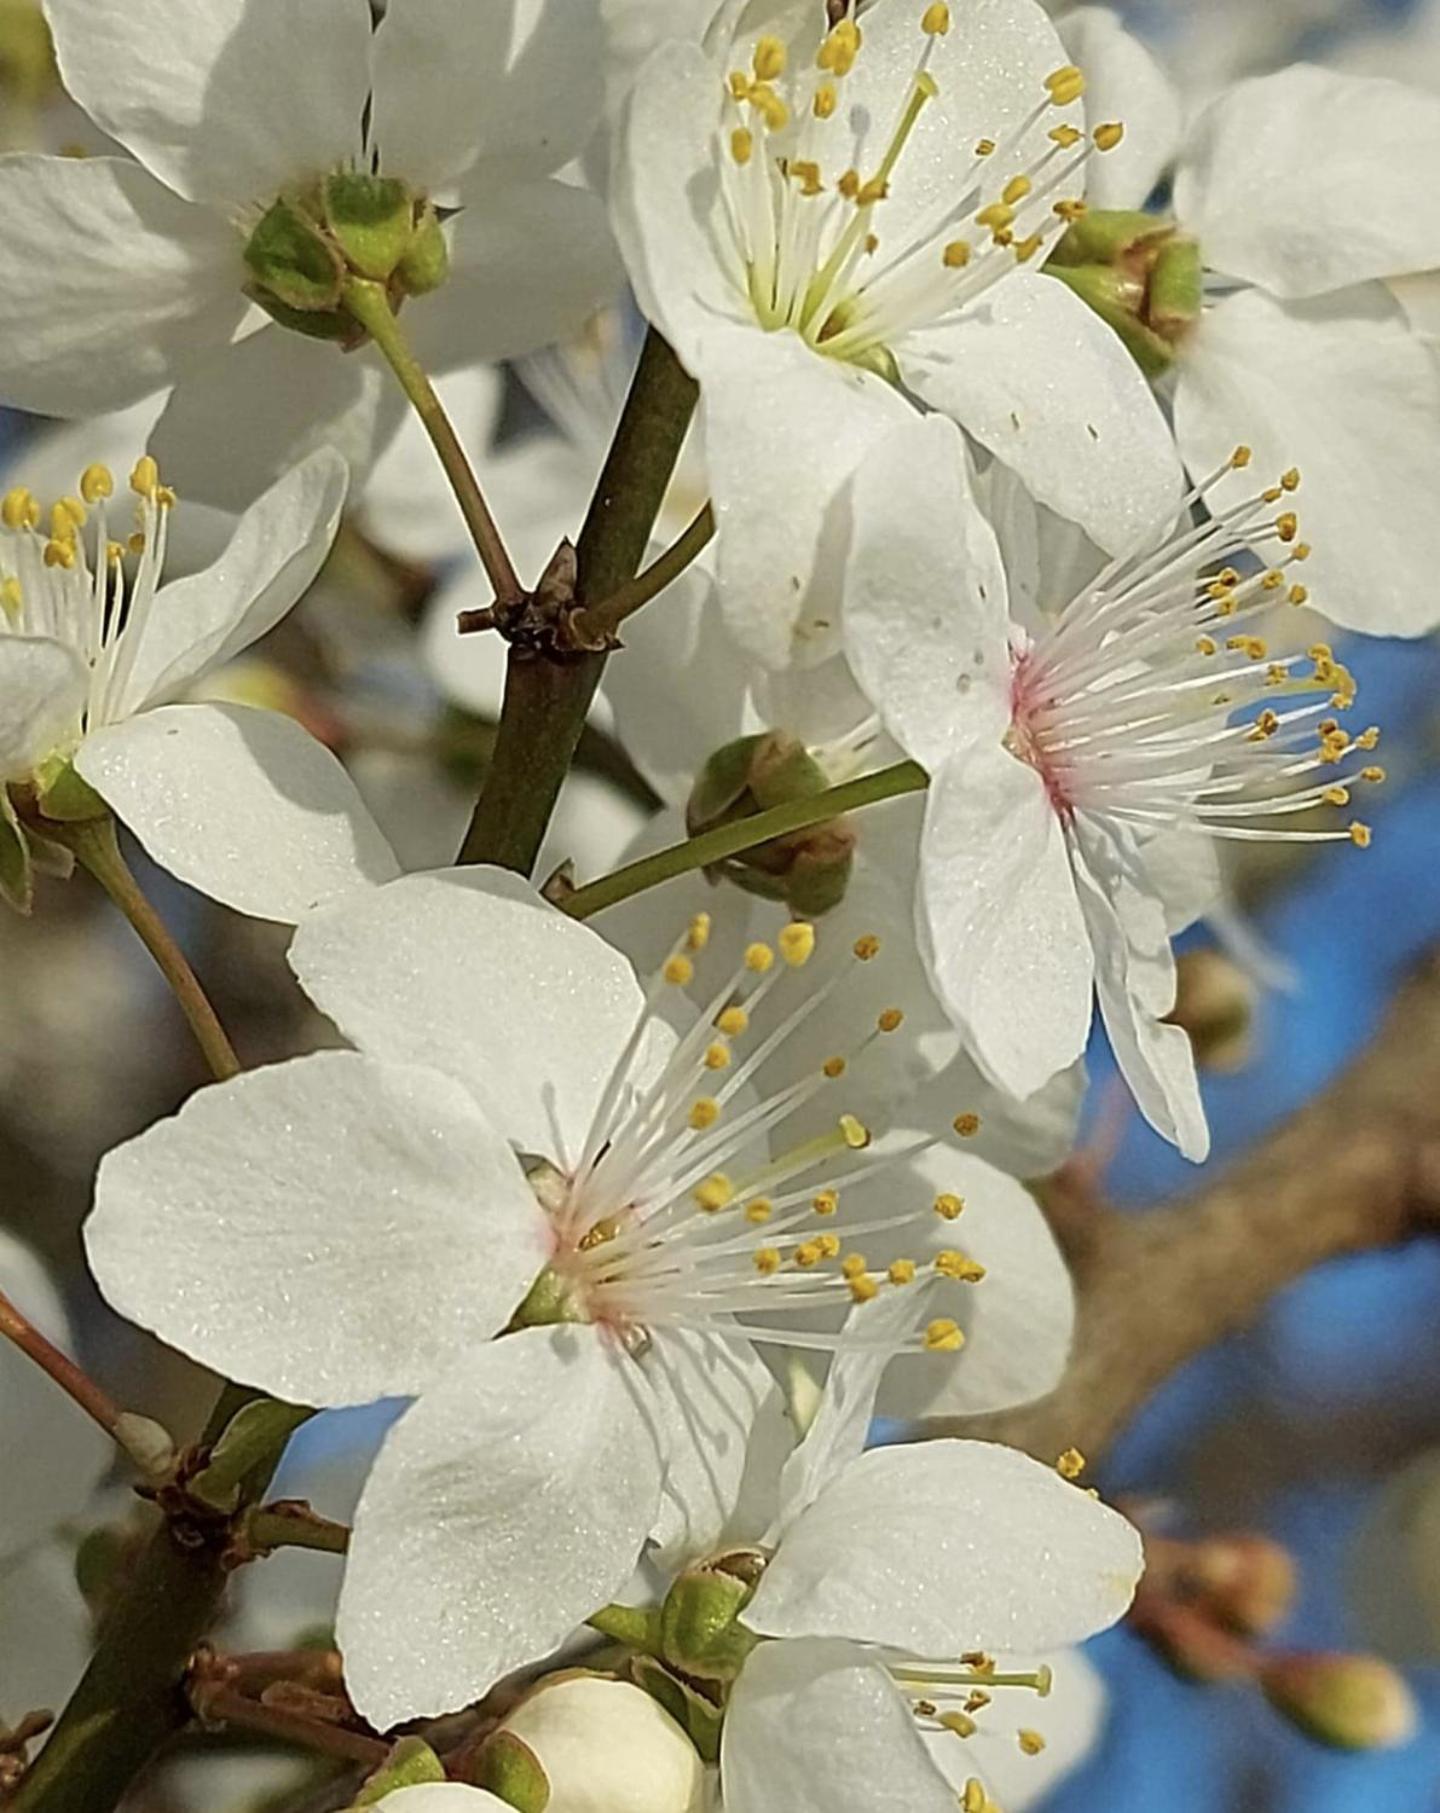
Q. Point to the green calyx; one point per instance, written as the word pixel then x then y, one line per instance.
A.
pixel 701 1635
pixel 411 1764
pixel 511 1771
pixel 549 1300
pixel 311 243
pixel 809 870
pixel 1140 274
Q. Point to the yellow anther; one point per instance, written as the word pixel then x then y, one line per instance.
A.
pixel 807 174
pixel 797 943
pixel 1253 646
pixel 997 215
pixel 145 478
pixel 697 935
pixel 1287 526
pixel 20 509
pixel 1066 137
pixel 855 1134
pixel 733 1021
pixel 902 1271
pixel 935 21
pixel 854 1265
pixel 1301 551
pixel 759 1211
pixel 863 1290
pixel 1361 835
pixel 67 517
pixel 1241 457
pixel 1374 775
pixel 959 1267
pixel 891 1020
pixel 96 482
pixel 943 1336
pixel 1368 739
pixel 1206 645
pixel 1031 1742
pixel 957 254
pixel 1276 674
pixel 1272 495
pixel 849 184
pixel 874 191
pixel 960 1723
pixel 872 243
pixel 1108 136
pixel 717 1056
pixel 1071 1464
pixel 60 554
pixel 1266 724
pixel 1070 210
pixel 739 84
pixel 1336 796
pixel 759 958
pixel 985 147
pixel 1065 85
pixel 1016 190
pixel 833 1067
pixel 767 1261
pixel 974 1799
pixel 825 1202
pixel 1320 651
pixel 838 51
pixel 1299 594
pixel 825 102
pixel 715 1193
pixel 808 1254
pixel 1291 480
pixel 679 971
pixel 1025 249
pixel 829 1245
pixel 948 1207
pixel 137 542
pixel 966 1125
pixel 12 599
pixel 704 1113
pixel 867 947
pixel 1273 580
pixel 769 59
pixel 770 107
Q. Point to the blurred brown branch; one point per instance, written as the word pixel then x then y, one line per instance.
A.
pixel 1358 1168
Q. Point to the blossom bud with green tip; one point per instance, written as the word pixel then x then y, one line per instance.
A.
pixel 585 1743
pixel 1139 273
pixel 1349 1702
pixel 700 1632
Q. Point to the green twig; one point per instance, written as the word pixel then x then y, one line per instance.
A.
pixel 744 834
pixel 605 619
pixel 547 696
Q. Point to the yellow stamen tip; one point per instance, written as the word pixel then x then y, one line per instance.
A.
pixel 96 482
pixel 966 1125
pixel 20 509
pixel 902 1271
pixel 760 1210
pixel 935 21
pixel 957 254
pixel 863 1290
pixel 1065 85
pixel 145 478
pixel 717 1057
pixel 733 1021
pixel 715 1193
pixel 1071 1464
pixel 1361 835
pixel 948 1207
pixel 769 59
pixel 60 554
pixel 698 934
pixel 958 1267
pixel 891 1020
pixel 867 947
pixel 742 144
pixel 704 1113
pixel 767 1261
pixel 833 1067
pixel 1108 136
pixel 825 1202
pixel 759 958
pixel 855 1134
pixel 1015 190
pixel 1066 137
pixel 854 1265
pixel 825 102
pixel 943 1336
pixel 1031 1742
pixel 679 971
pixel 797 943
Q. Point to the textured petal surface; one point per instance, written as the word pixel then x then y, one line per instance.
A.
pixel 1040 380
pixel 1341 388
pixel 504 1509
pixel 42 685
pixel 64 1453
pixel 469 970
pixel 1319 217
pixel 926 626
pixel 821 1728
pixel 949 1546
pixel 1122 82
pixel 1135 983
pixel 514 82
pixel 1007 944
pixel 109 285
pixel 227 102
pixel 330 1229
pixel 242 804
pixel 281 543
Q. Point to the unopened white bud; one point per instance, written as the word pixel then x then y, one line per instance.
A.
pixel 603 1744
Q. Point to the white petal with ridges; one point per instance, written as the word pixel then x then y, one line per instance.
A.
pixel 43 684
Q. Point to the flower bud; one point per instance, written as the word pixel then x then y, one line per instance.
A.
pixel 808 870
pixel 700 1632
pixel 583 1743
pixel 426 263
pixel 1246 1581
pixel 1139 274
pixel 1350 1702
pixel 293 263
pixel 1215 1004
pixel 371 221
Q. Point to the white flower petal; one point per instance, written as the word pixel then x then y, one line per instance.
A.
pixel 243 804
pixel 1007 944
pixel 226 103
pixel 59 1454
pixel 109 285
pixel 1122 82
pixel 49 1634
pixel 1341 388
pixel 330 1229
pixel 470 971
pixel 725 1430
pixel 821 1728
pixel 1135 983
pixel 43 685
pixel 1069 1719
pixel 531 263
pixel 280 397
pixel 1318 218
pixel 278 547
pixel 1420 299
pixel 777 475
pixel 505 1507
pixel 443 1797
pixel 516 83
pixel 926 624
pixel 1040 380
pixel 944 1547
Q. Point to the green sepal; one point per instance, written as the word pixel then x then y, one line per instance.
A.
pixel 722 782
pixel 1102 235
pixel 1114 297
pixel 411 1764
pixel 636 1626
pixel 1177 288
pixel 65 799
pixel 698 1717
pixel 17 873
pixel 783 770
pixel 247 1445
pixel 510 1769
pixel 700 1632
pixel 292 261
pixel 371 219
pixel 426 263
pixel 331 324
